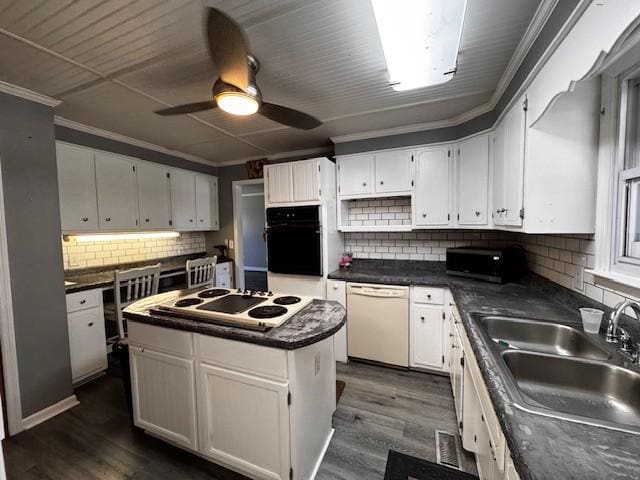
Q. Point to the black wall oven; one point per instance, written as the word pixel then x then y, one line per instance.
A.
pixel 294 240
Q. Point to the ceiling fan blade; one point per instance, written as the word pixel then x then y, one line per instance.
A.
pixel 229 48
pixel 288 116
pixel 187 108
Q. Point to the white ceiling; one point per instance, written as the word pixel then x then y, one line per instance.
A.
pixel 113 62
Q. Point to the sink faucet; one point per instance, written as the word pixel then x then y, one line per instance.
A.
pixel 627 347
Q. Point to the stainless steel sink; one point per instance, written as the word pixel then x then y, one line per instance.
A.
pixel 545 337
pixel 583 390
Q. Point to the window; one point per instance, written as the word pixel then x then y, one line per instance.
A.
pixel 627 232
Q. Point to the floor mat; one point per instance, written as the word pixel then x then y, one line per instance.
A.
pixel 406 467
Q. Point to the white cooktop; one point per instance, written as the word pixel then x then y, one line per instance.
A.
pixel 240 308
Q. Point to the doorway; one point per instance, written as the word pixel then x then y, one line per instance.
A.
pixel 249 224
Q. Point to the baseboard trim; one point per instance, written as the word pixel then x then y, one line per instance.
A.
pixel 49 412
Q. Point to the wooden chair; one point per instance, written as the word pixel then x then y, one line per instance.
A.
pixel 201 272
pixel 133 285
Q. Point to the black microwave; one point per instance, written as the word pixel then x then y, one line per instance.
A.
pixel 497 265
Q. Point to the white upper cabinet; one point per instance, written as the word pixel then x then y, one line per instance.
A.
pixel 394 172
pixel 472 180
pixel 279 183
pixel 154 199
pixel 498 138
pixel 206 202
pixel 77 187
pixel 355 175
pixel 183 199
pixel 431 195
pixel 117 197
pixel 306 181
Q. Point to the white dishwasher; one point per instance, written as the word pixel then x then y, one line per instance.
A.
pixel 378 323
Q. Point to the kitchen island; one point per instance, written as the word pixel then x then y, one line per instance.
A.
pixel 259 403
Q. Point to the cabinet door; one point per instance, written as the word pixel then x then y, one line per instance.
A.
pixel 499 163
pixel 306 181
pixel 215 203
pixel 77 188
pixel 279 183
pixel 472 181
pixel 203 202
pixel 514 164
pixel 431 206
pixel 510 472
pixel 394 171
pixel 244 421
pixel 153 197
pixel 355 175
pixel 183 200
pixel 117 192
pixel 426 336
pixel 87 343
pixel 164 400
pixel 457 373
pixel 337 292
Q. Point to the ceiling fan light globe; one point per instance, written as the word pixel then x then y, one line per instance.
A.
pixel 237 103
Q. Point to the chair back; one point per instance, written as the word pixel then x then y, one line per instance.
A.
pixel 133 285
pixel 201 272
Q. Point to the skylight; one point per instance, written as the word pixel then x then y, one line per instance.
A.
pixel 420 39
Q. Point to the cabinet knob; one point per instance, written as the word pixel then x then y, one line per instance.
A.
pixel 85 219
pixel 477 212
pixel 424 215
pixel 90 324
pixel 191 220
pixel 422 318
pixel 429 295
pixel 364 184
pixel 201 220
pixel 146 219
pixel 108 219
pixel 381 182
pixel 83 301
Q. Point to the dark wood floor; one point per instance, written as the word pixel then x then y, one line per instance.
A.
pixel 380 409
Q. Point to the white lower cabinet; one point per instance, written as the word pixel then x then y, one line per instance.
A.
pixel 429 329
pixel 244 421
pixel 480 429
pixel 87 339
pixel 337 292
pixel 261 411
pixel 164 400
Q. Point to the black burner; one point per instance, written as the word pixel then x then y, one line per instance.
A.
pixel 188 302
pixel 286 300
pixel 267 311
pixel 213 292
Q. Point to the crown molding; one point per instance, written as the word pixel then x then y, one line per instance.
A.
pixel 417 127
pixel 65 122
pixel 280 156
pixel 27 94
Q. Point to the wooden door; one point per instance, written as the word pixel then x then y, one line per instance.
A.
pixel 306 181
pixel 394 171
pixel 426 336
pixel 244 421
pixel 432 187
pixel 164 400
pixel 77 188
pixel 472 181
pixel 117 192
pixel 183 199
pixel 153 197
pixel 355 175
pixel 279 183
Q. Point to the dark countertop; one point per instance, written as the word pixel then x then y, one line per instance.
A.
pixel 317 321
pixel 102 277
pixel 542 447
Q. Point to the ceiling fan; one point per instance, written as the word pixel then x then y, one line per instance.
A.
pixel 235 91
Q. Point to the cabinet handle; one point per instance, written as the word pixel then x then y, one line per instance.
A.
pixel 364 184
pixel 108 219
pixel 83 301
pixel 85 219
pixel 90 324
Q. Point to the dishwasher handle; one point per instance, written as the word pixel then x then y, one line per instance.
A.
pixel 381 292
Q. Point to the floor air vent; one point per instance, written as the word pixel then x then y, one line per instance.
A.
pixel 447 453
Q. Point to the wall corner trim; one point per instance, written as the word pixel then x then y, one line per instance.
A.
pixel 50 412
pixel 27 94
pixel 65 122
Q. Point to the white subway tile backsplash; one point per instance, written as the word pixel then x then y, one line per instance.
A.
pixel 379 212
pixel 96 254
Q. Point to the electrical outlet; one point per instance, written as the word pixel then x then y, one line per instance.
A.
pixel 578 280
pixel 231 244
